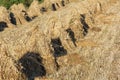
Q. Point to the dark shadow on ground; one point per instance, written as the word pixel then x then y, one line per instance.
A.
pixel 12 18
pixel 85 25
pixel 3 25
pixel 71 35
pixel 32 65
pixel 26 16
pixel 59 50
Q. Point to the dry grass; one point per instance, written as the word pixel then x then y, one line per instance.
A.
pixel 96 56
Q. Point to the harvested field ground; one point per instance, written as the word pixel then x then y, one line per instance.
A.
pixel 77 41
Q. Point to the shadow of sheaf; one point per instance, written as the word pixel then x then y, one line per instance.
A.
pixel 32 65
pixel 3 25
